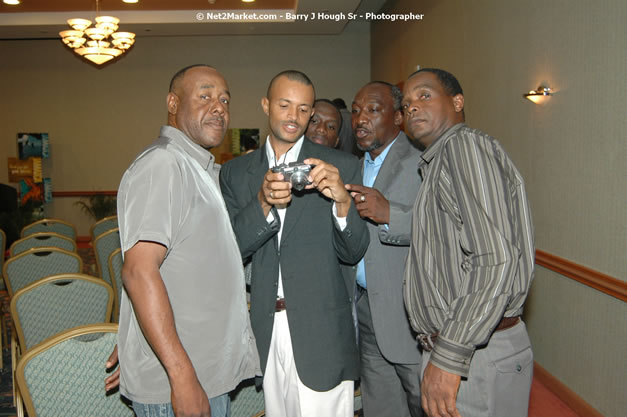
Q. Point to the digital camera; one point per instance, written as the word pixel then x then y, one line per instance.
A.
pixel 296 173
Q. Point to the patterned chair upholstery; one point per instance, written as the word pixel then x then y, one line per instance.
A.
pixel 34 264
pixel 50 225
pixel 58 303
pixel 41 240
pixel 103 225
pixel 104 245
pixel 246 401
pixel 64 375
pixel 115 273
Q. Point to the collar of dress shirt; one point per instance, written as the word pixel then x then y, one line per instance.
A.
pixel 290 156
pixel 194 150
pixel 429 153
pixel 379 159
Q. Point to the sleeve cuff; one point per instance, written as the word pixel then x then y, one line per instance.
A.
pixel 452 357
pixel 341 221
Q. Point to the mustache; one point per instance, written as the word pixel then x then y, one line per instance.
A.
pixel 218 119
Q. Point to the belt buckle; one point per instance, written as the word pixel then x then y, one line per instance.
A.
pixel 425 341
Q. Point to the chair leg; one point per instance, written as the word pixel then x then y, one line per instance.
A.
pixel 19 404
pixel 13 366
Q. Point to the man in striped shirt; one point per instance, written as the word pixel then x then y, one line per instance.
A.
pixel 471 259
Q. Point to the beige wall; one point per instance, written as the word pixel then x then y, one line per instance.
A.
pixel 99 119
pixel 571 151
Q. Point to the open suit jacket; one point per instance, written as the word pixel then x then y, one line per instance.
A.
pixel 318 302
pixel 398 180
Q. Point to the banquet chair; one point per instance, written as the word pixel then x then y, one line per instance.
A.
pixel 246 401
pixel 115 273
pixel 57 303
pixel 103 225
pixel 104 245
pixel 64 375
pixel 34 264
pixel 40 240
pixel 50 225
pixel 52 305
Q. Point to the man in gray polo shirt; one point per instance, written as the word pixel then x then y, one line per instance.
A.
pixel 184 338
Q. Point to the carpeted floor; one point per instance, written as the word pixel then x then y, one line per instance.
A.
pixel 6 383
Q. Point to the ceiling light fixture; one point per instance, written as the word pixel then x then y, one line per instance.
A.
pixel 93 43
pixel 539 94
pixel 130 1
pixel 11 2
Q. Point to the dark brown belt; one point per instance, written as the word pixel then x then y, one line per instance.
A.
pixel 280 304
pixel 427 341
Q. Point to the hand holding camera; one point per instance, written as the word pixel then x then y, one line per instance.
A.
pixel 326 179
pixel 312 173
pixel 296 173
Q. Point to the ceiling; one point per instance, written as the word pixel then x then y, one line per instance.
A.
pixel 44 19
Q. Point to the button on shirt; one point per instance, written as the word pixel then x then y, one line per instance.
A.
pixel 290 156
pixel 371 170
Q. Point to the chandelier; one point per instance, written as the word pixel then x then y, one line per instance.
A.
pixel 100 43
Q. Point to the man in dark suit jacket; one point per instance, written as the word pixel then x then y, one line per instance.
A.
pixel 300 304
pixel 390 359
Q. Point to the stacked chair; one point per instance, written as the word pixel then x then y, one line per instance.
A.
pixel 104 246
pixel 102 226
pixel 50 225
pixel 115 274
pixel 50 295
pixel 63 376
pixel 42 239
pixel 57 303
pixel 37 263
pixel 246 401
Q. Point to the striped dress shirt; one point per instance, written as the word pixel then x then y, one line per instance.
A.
pixel 471 258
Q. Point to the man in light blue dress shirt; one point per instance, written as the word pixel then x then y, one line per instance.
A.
pixel 389 355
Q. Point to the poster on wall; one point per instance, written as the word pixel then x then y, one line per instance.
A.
pixel 27 168
pixel 32 145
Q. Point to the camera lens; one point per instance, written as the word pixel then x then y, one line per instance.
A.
pixel 299 180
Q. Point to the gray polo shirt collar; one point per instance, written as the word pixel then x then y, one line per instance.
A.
pixel 195 151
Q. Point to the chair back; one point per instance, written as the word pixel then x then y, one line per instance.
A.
pixel 115 273
pixel 58 303
pixel 103 225
pixel 64 375
pixel 104 245
pixel 42 240
pixel 37 263
pixel 246 401
pixel 50 225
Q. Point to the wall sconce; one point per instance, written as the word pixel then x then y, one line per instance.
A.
pixel 538 95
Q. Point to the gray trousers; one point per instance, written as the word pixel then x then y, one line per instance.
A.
pixel 500 376
pixel 387 389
